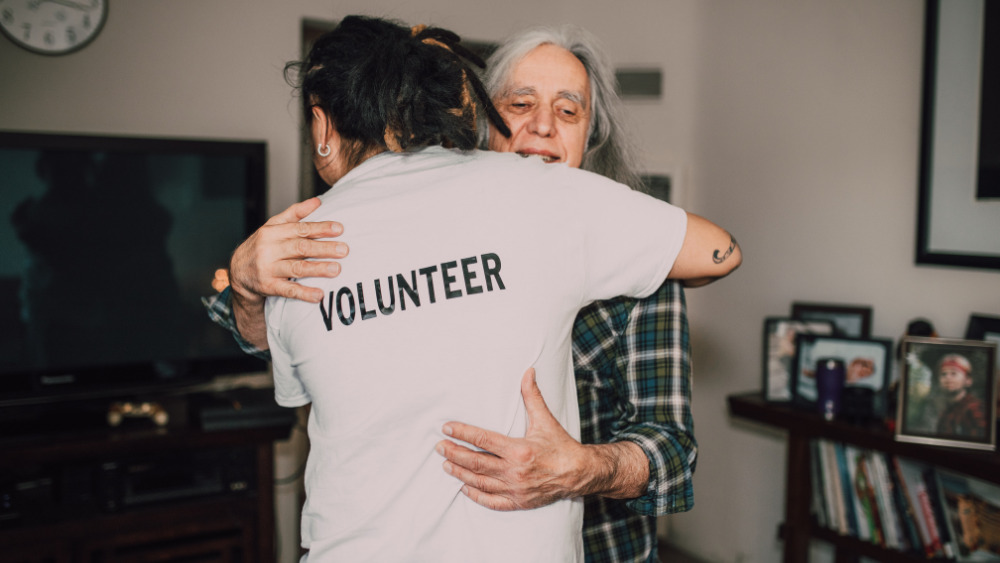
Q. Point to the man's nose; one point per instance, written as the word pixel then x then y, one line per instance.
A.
pixel 542 122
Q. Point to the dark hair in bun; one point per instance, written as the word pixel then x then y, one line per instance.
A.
pixel 386 86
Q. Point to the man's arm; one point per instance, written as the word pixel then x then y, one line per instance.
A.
pixel 653 406
pixel 709 253
pixel 265 263
pixel 545 466
pixel 650 460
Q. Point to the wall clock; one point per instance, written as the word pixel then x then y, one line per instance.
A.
pixel 52 27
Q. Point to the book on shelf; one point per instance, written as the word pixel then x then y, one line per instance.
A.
pixel 937 509
pixel 904 510
pixel 863 528
pixel 904 505
pixel 911 481
pixel 834 489
pixel 865 491
pixel 843 466
pixel 972 515
pixel 819 508
pixel 886 507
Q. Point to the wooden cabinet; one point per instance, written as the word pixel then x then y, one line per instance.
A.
pixel 138 493
pixel 802 426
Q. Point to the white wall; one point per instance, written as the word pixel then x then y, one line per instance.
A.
pixel 806 136
pixel 793 123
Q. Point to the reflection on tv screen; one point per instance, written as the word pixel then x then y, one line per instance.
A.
pixel 106 255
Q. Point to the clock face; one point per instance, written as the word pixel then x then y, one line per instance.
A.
pixel 52 27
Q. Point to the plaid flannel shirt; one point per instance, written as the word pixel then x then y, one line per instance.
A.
pixel 632 362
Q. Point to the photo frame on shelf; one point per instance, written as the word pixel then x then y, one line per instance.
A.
pixel 947 393
pixel 867 370
pixel 779 353
pixel 984 327
pixel 853 321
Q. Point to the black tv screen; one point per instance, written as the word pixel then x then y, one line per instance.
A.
pixel 108 245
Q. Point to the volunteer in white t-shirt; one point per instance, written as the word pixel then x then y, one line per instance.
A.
pixel 420 330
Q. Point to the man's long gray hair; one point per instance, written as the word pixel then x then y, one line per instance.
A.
pixel 611 150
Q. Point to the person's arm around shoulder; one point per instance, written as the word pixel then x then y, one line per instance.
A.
pixel 265 263
pixel 709 253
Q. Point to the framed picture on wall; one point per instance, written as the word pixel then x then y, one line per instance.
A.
pixel 947 393
pixel 779 353
pixel 853 321
pixel 867 368
pixel 958 206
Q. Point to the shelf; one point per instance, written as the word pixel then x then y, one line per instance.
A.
pixel 975 463
pixel 83 491
pixel 802 426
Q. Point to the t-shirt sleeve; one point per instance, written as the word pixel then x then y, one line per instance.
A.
pixel 288 388
pixel 629 240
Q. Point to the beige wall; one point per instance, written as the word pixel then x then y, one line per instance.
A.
pixel 795 124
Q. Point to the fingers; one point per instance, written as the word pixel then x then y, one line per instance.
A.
pixel 296 212
pixel 492 442
pixel 294 290
pixel 493 502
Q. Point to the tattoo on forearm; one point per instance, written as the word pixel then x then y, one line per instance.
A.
pixel 732 246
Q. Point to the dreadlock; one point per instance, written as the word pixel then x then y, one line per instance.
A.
pixel 386 86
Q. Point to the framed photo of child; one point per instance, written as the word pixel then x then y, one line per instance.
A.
pixel 947 393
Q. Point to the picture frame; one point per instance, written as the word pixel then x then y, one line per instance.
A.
pixel 984 327
pixel 853 321
pixel 779 353
pixel 928 411
pixel 867 367
pixel 958 209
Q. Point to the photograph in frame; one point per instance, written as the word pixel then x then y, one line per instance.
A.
pixel 947 393
pixel 854 321
pixel 779 353
pixel 867 367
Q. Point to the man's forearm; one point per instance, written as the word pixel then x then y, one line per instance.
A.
pixel 250 322
pixel 617 470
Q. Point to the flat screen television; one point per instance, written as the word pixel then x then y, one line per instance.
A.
pixel 107 245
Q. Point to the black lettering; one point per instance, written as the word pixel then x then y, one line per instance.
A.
pixel 470 275
pixel 340 300
pixel 492 270
pixel 448 280
pixel 327 312
pixel 427 272
pixel 409 288
pixel 392 296
pixel 365 313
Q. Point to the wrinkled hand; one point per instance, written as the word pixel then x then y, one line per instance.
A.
pixel 263 264
pixel 537 470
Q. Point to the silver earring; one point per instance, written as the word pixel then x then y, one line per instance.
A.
pixel 319 150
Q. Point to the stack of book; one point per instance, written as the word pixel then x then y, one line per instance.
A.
pixel 904 505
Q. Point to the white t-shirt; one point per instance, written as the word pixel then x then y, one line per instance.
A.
pixel 465 270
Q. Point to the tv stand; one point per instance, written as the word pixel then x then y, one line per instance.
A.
pixel 139 492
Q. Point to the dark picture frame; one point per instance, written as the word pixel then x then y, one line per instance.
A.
pixel 854 321
pixel 867 367
pixel 958 217
pixel 925 414
pixel 780 335
pixel 984 327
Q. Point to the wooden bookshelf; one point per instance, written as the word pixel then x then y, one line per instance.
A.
pixel 802 426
